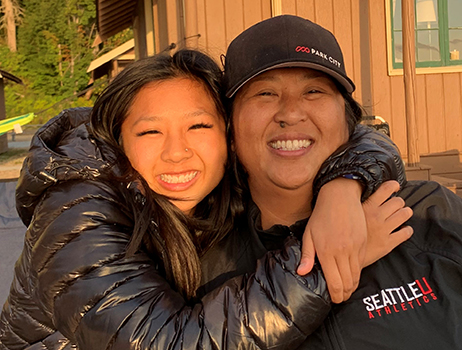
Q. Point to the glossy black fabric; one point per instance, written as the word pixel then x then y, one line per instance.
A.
pixel 73 284
pixel 369 155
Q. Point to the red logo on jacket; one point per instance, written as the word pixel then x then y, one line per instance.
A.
pixel 399 299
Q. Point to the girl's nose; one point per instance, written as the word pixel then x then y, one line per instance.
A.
pixel 176 150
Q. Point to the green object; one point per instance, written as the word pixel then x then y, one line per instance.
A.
pixel 8 124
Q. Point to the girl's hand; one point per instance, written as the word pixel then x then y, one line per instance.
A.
pixel 337 234
pixel 347 236
pixel 383 216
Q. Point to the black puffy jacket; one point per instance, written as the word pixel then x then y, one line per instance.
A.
pixel 73 285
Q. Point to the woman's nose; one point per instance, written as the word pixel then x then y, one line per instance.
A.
pixel 291 111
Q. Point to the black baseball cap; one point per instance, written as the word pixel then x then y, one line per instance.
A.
pixel 283 41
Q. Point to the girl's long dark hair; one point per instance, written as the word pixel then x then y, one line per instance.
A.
pixel 159 226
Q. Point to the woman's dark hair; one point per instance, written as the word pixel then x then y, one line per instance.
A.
pixel 159 226
pixel 353 110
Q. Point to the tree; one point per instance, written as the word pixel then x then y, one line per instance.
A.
pixel 55 41
pixel 54 51
pixel 11 18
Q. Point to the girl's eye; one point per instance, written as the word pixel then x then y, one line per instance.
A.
pixel 148 132
pixel 201 126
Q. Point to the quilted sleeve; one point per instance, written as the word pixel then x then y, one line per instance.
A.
pixel 370 156
pixel 99 299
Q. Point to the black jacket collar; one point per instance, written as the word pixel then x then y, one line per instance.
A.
pixel 273 238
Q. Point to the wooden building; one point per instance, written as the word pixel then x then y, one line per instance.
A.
pixel 369 32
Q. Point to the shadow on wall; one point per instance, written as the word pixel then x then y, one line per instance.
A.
pixel 12 232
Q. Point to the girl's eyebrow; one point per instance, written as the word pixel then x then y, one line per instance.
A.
pixel 147 118
pixel 155 118
pixel 196 113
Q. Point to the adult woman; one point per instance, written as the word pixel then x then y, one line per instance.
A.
pixel 86 196
pixel 410 298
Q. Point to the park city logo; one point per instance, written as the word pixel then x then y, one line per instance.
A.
pixel 405 298
pixel 314 51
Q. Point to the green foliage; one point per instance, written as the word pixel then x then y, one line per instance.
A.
pixel 55 40
pixel 20 100
pixel 117 40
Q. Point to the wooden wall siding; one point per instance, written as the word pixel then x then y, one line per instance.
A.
pixel 173 22
pixel 452 110
pixel 380 81
pixel 161 32
pixel 435 110
pixel 217 21
pixel 235 19
pixel 220 21
pixel 191 25
pixel 397 118
pixel 360 46
pixel 342 28
pixel 421 114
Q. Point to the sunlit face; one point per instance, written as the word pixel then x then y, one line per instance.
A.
pixel 313 113
pixel 176 139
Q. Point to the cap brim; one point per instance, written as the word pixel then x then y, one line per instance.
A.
pixel 346 83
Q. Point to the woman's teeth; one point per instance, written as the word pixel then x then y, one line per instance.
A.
pixel 178 179
pixel 290 145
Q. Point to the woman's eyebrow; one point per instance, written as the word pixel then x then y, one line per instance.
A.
pixel 264 77
pixel 313 75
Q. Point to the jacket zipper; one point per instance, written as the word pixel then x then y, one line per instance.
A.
pixel 332 336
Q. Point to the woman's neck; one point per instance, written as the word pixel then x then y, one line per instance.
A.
pixel 282 206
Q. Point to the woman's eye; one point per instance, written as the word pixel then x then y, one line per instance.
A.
pixel 148 132
pixel 265 93
pixel 201 126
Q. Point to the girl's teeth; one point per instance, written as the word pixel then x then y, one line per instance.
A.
pixel 174 179
pixel 290 145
